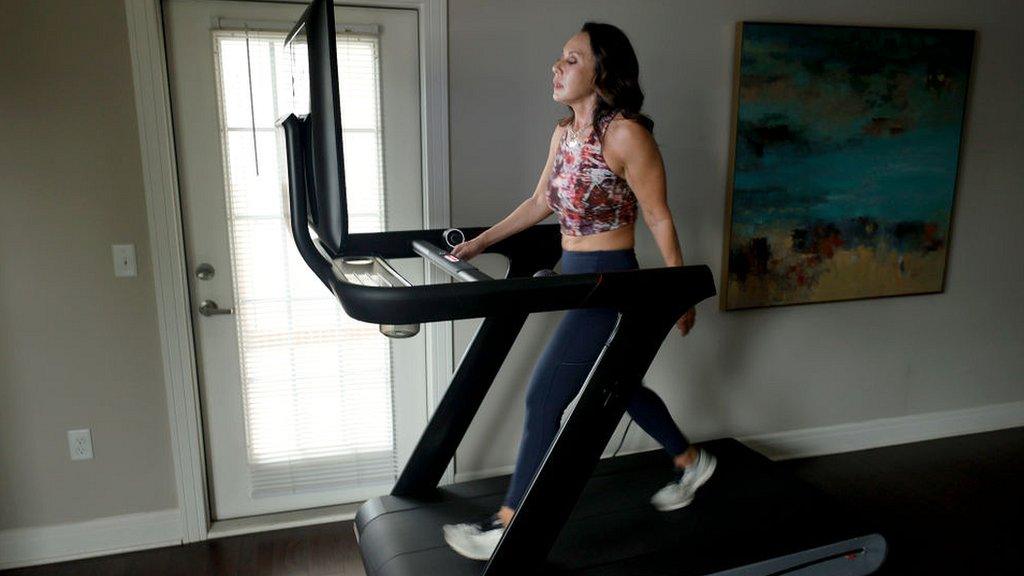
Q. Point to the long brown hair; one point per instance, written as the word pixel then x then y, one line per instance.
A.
pixel 616 77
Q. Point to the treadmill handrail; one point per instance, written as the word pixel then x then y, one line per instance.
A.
pixel 454 267
pixel 658 290
pixel 669 291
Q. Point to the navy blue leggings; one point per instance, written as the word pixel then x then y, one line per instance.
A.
pixel 563 367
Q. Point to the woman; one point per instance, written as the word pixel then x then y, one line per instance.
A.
pixel 602 165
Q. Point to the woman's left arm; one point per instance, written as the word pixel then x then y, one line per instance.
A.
pixel 631 146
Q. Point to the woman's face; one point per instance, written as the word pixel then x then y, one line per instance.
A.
pixel 574 71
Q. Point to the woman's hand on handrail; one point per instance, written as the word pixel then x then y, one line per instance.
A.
pixel 469 249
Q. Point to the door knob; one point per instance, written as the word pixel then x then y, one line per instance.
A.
pixel 210 308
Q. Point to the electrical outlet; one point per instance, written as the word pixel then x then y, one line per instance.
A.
pixel 80 444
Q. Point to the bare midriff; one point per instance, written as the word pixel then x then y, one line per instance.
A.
pixel 618 239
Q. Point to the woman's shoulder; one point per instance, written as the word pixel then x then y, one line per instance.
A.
pixel 620 129
pixel 626 137
pixel 620 120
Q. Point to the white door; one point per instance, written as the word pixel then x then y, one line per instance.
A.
pixel 302 406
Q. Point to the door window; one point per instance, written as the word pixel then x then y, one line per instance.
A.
pixel 317 385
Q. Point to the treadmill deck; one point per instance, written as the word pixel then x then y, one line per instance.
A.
pixel 750 518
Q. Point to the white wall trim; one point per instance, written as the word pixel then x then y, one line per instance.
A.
pixel 160 175
pixel 886 431
pixel 471 475
pixel 811 442
pixel 283 520
pixel 434 87
pixel 101 537
pixel 159 166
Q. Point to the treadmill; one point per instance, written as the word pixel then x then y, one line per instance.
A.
pixel 581 514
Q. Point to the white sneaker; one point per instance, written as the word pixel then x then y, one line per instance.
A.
pixel 475 540
pixel 679 492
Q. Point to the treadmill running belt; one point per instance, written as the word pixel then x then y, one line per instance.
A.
pixel 745 521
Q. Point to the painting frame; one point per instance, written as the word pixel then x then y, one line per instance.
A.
pixel 968 40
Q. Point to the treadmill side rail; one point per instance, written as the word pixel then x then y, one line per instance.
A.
pixel 863 555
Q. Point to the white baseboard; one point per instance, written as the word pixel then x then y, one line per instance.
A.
pixel 811 442
pixel 282 520
pixel 486 473
pixel 101 537
pixel 886 431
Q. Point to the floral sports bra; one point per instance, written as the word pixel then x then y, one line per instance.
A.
pixel 587 196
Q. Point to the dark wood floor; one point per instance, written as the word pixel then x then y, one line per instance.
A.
pixel 950 506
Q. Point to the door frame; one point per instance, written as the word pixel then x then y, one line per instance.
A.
pixel 163 210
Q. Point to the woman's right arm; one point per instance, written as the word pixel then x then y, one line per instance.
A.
pixel 530 212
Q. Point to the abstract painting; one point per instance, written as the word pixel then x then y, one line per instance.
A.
pixel 844 163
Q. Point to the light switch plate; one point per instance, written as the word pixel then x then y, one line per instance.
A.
pixel 124 261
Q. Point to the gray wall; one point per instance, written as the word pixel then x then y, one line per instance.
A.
pixel 769 370
pixel 78 347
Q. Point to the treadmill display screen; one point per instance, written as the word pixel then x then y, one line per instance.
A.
pixel 328 213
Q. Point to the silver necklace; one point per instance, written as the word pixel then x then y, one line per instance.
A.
pixel 573 139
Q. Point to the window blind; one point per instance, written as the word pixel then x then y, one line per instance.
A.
pixel 316 385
